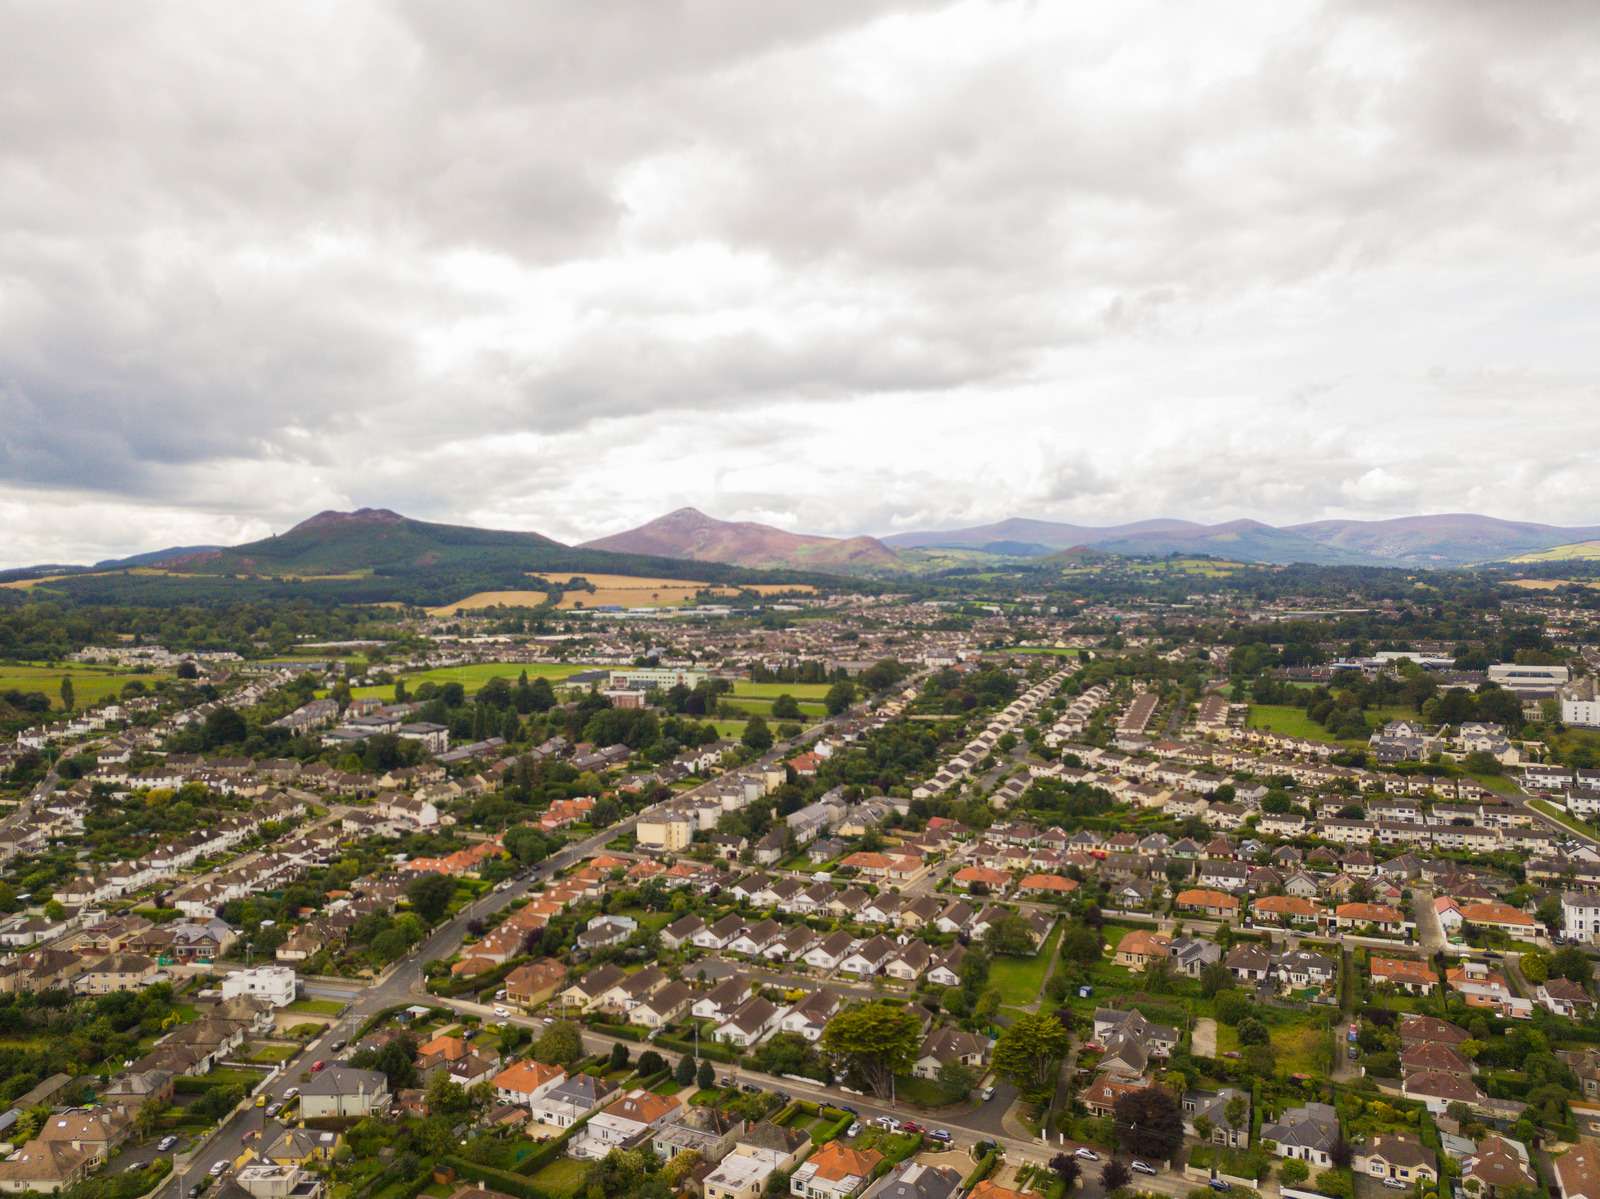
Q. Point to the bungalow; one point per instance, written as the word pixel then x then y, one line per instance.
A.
pixel 830 951
pixel 1306 1133
pixel 1406 974
pixel 1218 905
pixel 1139 948
pixel 834 1172
pixel 869 957
pixel 810 1016
pixel 1397 1155
pixel 750 1023
pixel 1578 1172
pixel 523 1082
pixel 1498 1166
pixel 948 1045
pixel 570 1100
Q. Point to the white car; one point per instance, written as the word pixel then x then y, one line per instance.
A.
pixel 1140 1167
pixel 218 1169
pixel 1394 1184
pixel 166 1143
pixel 501 1009
pixel 854 1130
pixel 1088 1155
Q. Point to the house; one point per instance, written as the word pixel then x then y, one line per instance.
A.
pixel 722 1000
pixel 947 1045
pixel 915 1180
pixel 757 1154
pixel 1499 1165
pixel 1406 974
pixel 1397 1155
pixel 681 931
pixel 707 1131
pixel 811 1015
pixel 301 1147
pixel 1130 1041
pixel 344 1092
pixel 1191 955
pixel 533 983
pixel 662 1006
pixel 1563 997
pixel 830 951
pixel 1217 905
pixel 1578 1172
pixel 523 1082
pixel 750 1023
pixel 44 1166
pixel 1139 948
pixel 570 1100
pixel 1306 1133
pixel 1438 1089
pixel 834 1172
pixel 1225 1114
pixel 1100 1096
pixel 589 991
pixel 619 1123
pixel 1300 968
pixel 1249 962
pixel 869 957
pixel 118 972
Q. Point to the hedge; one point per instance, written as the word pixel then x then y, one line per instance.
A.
pixel 709 1050
pixel 449 988
pixel 500 1180
pixel 549 1150
pixel 981 1171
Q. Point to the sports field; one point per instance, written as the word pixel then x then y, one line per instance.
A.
pixel 473 677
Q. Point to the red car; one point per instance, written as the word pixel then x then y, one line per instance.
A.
pixel 910 1126
pixel 316 1066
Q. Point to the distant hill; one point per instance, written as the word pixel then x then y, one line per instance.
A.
pixel 1450 539
pixel 690 533
pixel 1440 541
pixel 154 556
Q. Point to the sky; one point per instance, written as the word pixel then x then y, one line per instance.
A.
pixel 842 265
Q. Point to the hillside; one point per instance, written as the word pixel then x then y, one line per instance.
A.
pixel 690 533
pixel 1449 539
pixel 374 555
pixel 1022 535
pixel 1577 551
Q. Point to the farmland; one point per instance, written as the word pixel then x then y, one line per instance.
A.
pixel 90 684
pixel 624 591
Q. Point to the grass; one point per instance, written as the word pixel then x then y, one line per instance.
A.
pixel 90 684
pixel 750 690
pixel 731 729
pixel 563 1176
pixel 1561 818
pixel 1021 980
pixel 270 1054
pixel 1291 722
pixel 808 707
pixel 317 1007
pixel 1296 1046
pixel 473 676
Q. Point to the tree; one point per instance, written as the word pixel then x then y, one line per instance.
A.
pixel 877 1040
pixel 1232 1007
pixel 67 695
pixel 1294 1171
pixel 559 1045
pixel 1534 968
pixel 1066 1168
pixel 1149 1123
pixel 1114 1176
pixel 785 707
pixel 1030 1050
pixel 706 1075
pixel 619 1056
pixel 651 1062
pixel 1011 935
pixel 1082 944
pixel 1341 1154
pixel 683 1074
pixel 958 1079
pixel 430 895
pixel 757 735
pixel 840 696
pixel 1214 978
pixel 1570 963
pixel 1253 1032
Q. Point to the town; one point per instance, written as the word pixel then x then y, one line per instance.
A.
pixel 845 892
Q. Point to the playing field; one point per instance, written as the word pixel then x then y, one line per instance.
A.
pixel 773 690
pixel 90 684
pixel 473 677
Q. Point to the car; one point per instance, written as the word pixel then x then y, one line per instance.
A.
pixel 749 1088
pixel 273 1109
pixel 1087 1154
pixel 196 1189
pixel 1221 1184
pixel 725 1081
pixel 218 1169
pixel 166 1142
pixel 1140 1167
pixel 854 1130
pixel 1394 1184
pixel 318 1066
pixel 261 1099
pixel 988 1094
pixel 887 1122
pixel 910 1126
pixel 942 1134
pixel 290 1094
pixel 501 1009
pixel 500 994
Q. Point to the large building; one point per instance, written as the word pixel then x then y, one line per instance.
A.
pixel 275 984
pixel 660 678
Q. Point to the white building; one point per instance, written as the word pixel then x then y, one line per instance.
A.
pixel 1580 915
pixel 275 984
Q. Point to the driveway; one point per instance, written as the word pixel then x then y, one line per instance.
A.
pixel 1204 1043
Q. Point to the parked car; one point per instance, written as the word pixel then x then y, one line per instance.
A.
pixel 1087 1154
pixel 501 1009
pixel 1140 1167
pixel 888 1123
pixel 218 1169
pixel 196 1189
pixel 1394 1184
pixel 749 1087
pixel 1221 1184
pixel 910 1126
pixel 166 1142
pixel 941 1134
pixel 318 1066
pixel 988 1094
pixel 854 1130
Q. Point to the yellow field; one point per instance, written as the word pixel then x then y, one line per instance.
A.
pixel 623 590
pixel 1576 550
pixel 1549 584
pixel 489 599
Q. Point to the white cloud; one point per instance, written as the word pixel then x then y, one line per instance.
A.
pixel 846 266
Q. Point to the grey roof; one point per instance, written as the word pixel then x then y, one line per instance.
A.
pixel 339 1079
pixel 912 1180
pixel 1314 1126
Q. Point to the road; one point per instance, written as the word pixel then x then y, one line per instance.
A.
pixel 403 984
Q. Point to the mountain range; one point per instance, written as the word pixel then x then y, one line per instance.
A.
pixel 375 553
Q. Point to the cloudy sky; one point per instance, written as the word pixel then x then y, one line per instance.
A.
pixel 840 265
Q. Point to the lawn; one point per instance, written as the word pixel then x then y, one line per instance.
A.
pixel 1021 980
pixel 1290 721
pixel 731 729
pixel 474 676
pixel 808 707
pixel 272 1054
pixel 317 1007
pixel 1297 1045
pixel 90 684
pixel 1565 819
pixel 773 690
pixel 563 1176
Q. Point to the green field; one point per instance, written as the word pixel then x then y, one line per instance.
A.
pixel 773 690
pixel 808 707
pixel 1021 980
pixel 731 729
pixel 473 677
pixel 1572 552
pixel 561 1177
pixel 90 684
pixel 1291 722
